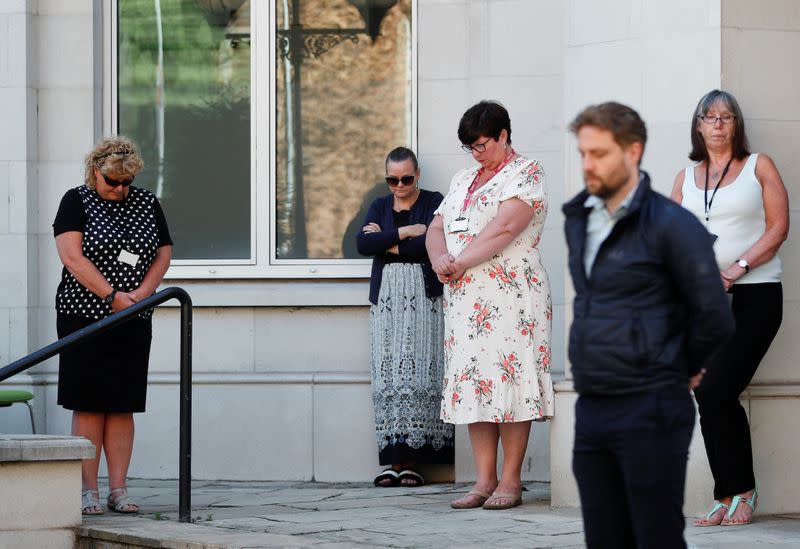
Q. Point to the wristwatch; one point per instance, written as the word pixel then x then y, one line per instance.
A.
pixel 743 264
pixel 109 299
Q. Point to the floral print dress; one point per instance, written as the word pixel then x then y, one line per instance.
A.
pixel 498 315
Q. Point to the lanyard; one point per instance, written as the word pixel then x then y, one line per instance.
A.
pixel 706 201
pixel 474 185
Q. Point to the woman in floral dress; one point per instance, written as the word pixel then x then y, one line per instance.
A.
pixel 483 244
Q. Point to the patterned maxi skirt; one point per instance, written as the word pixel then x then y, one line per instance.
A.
pixel 406 330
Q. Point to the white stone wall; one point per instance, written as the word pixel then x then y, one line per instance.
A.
pixel 18 189
pixel 759 43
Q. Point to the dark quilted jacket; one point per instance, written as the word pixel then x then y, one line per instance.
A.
pixel 653 310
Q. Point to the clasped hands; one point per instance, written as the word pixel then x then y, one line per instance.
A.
pixel 447 268
pixel 123 300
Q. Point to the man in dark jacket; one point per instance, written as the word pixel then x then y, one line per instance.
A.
pixel 649 311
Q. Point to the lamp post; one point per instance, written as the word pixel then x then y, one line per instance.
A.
pixel 296 44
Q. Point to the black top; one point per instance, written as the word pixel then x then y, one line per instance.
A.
pixel 401 219
pixel 135 224
pixel 375 244
pixel 652 312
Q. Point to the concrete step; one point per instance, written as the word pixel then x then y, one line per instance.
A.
pixel 146 533
pixel 40 489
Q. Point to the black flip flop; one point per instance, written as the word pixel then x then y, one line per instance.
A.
pixel 410 474
pixel 387 474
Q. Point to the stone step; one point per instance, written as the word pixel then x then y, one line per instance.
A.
pixel 40 483
pixel 146 533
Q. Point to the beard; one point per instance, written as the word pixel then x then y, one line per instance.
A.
pixel 606 187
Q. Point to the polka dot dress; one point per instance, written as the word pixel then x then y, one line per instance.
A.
pixel 110 227
pixel 107 373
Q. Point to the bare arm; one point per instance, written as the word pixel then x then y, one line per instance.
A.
pixel 435 242
pixel 776 213
pixel 677 187
pixel 155 274
pixel 70 251
pixel 512 217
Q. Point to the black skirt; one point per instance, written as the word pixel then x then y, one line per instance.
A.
pixel 106 373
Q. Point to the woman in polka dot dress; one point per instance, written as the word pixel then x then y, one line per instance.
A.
pixel 114 243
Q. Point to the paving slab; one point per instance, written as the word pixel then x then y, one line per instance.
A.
pixel 239 515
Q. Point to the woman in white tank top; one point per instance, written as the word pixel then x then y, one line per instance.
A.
pixel 742 201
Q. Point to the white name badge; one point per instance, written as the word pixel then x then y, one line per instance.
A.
pixel 126 257
pixel 459 225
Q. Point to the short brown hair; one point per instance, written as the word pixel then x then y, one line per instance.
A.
pixel 116 154
pixel 623 122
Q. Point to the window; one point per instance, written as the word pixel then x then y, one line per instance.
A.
pixel 263 125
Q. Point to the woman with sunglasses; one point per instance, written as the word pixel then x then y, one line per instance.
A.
pixel 113 241
pixel 741 199
pixel 405 327
pixel 484 243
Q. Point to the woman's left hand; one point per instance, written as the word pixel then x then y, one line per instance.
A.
pixel 122 301
pixel 458 271
pixel 138 294
pixel 731 275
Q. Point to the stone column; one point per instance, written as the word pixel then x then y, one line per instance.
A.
pixel 759 44
pixel 18 191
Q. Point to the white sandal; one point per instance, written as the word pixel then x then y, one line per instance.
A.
pixel 90 499
pixel 121 503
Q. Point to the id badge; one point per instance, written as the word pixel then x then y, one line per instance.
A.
pixel 127 257
pixel 459 225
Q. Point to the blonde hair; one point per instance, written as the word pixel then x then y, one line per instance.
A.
pixel 116 154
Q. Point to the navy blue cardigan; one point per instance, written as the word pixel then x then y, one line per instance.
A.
pixel 376 244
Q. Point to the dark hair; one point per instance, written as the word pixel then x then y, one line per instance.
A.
pixel 741 147
pixel 484 119
pixel 623 122
pixel 401 154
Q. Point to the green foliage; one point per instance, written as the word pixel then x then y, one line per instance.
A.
pixel 190 47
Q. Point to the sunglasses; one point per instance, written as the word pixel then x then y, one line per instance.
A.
pixel 114 183
pixel 406 180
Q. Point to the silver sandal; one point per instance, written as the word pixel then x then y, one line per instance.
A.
pixel 90 499
pixel 121 503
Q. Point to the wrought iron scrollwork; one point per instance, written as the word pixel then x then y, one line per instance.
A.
pixel 315 44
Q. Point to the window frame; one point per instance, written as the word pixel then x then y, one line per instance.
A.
pixel 263 262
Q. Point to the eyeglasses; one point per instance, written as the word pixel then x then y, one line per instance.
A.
pixel 406 180
pixel 725 118
pixel 478 147
pixel 114 183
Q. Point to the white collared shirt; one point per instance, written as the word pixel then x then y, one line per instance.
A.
pixel 600 224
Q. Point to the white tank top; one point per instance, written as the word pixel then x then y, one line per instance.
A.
pixel 737 218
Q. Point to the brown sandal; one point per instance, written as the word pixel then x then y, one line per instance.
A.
pixel 482 497
pixel 516 500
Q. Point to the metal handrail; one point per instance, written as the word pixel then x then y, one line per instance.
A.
pixel 185 447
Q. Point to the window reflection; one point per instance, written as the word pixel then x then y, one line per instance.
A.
pixel 343 100
pixel 184 98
